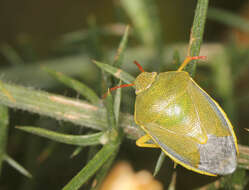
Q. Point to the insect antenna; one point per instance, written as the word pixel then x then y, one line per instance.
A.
pixel 116 87
pixel 188 59
pixel 123 85
pixel 139 66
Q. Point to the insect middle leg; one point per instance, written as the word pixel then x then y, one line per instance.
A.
pixel 142 142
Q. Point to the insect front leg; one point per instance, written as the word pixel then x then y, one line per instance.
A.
pixel 142 142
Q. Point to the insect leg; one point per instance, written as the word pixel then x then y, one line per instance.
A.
pixel 142 142
pixel 188 59
pixel 175 164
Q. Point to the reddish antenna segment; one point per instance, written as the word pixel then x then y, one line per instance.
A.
pixel 198 57
pixel 124 85
pixel 139 66
pixel 116 87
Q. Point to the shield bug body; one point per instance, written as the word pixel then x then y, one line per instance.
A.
pixel 184 121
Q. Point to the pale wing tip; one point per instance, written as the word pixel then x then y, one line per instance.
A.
pixel 218 155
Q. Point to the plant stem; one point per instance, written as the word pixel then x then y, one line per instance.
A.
pixel 197 33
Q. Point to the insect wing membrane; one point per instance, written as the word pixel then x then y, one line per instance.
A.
pixel 180 148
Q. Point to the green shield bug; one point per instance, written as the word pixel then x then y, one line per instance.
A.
pixel 184 121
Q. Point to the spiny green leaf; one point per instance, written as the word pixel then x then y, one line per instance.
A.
pixel 159 163
pixel 110 112
pixel 103 171
pixel 17 166
pixel 117 102
pixel 122 46
pixel 93 165
pixel 76 151
pixel 85 140
pixel 78 86
pixel 116 72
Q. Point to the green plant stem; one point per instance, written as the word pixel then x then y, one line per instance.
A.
pixel 4 121
pixel 62 108
pixel 58 107
pixel 197 33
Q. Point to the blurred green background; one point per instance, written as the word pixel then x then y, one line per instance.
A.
pixel 43 22
pixel 66 35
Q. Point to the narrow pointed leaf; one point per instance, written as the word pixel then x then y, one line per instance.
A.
pixel 116 72
pixel 17 166
pixel 76 151
pixel 93 165
pixel 118 60
pixel 117 102
pixel 103 171
pixel 91 139
pixel 110 112
pixel 78 86
pixel 11 55
pixel 159 163
pixel 4 121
